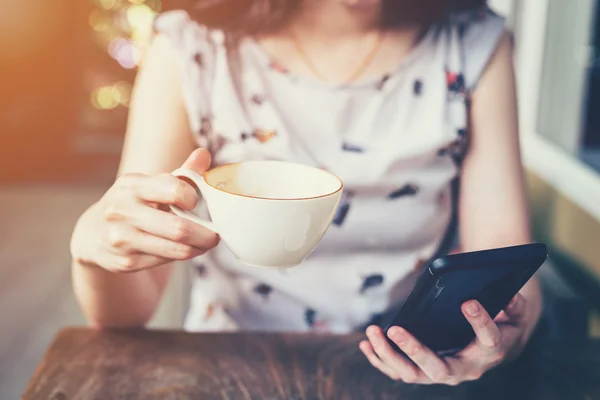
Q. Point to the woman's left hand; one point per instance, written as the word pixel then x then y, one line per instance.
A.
pixel 496 341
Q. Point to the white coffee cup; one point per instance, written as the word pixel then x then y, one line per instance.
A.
pixel 269 213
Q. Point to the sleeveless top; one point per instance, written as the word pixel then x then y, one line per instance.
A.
pixel 396 142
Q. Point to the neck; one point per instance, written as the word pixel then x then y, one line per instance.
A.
pixel 334 18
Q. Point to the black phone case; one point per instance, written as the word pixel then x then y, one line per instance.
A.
pixel 432 312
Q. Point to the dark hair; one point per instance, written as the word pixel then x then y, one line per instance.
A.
pixel 248 17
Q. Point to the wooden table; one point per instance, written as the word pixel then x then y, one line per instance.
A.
pixel 86 364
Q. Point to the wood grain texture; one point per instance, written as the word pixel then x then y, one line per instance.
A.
pixel 86 364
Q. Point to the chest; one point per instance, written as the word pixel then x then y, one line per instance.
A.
pixel 359 131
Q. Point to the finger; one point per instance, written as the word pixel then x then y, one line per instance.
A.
pixel 173 228
pixel 486 330
pixel 502 318
pixel 136 262
pixel 126 240
pixel 162 189
pixel 143 242
pixel 368 351
pixel 124 263
pixel 402 367
pixel 199 161
pixel 515 310
pixel 434 367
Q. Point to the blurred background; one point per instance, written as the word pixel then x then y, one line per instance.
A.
pixel 66 71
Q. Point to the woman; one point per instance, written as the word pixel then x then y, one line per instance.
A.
pixel 399 99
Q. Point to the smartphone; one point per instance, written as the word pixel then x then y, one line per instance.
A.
pixel 432 312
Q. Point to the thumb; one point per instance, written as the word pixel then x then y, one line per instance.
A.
pixel 198 161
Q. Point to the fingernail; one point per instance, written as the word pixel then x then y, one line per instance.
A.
pixel 513 303
pixel 397 334
pixel 472 309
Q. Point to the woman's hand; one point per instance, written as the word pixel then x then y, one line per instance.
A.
pixel 132 230
pixel 496 341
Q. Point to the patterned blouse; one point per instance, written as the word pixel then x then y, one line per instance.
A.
pixel 396 141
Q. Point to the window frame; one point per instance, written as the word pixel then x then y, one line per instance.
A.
pixel 565 172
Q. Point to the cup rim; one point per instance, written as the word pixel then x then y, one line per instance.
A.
pixel 205 175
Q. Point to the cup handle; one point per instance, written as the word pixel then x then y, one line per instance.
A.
pixel 197 179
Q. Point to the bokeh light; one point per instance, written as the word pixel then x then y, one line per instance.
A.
pixel 124 29
pixel 125 52
pixel 140 16
pixel 105 98
pixel 140 19
pixel 116 45
pixel 110 97
pixel 99 21
pixel 107 4
pixel 123 93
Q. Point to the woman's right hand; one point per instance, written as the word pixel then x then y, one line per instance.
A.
pixel 131 229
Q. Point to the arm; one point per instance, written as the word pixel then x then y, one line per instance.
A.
pixel 157 141
pixel 492 213
pixel 493 205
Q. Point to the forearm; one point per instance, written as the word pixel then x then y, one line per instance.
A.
pixel 109 299
pixel 115 300
pixel 531 291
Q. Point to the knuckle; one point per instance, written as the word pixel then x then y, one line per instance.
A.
pixel 452 382
pixel 496 340
pixel 441 377
pixel 484 322
pixel 127 187
pixel 181 231
pixel 187 252
pixel 414 349
pixel 492 343
pixel 116 238
pixel 487 328
pixel 395 376
pixel 409 377
pixel 183 252
pixel 112 213
pixel 448 379
pixel 178 190
pixel 127 262
pixel 386 352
